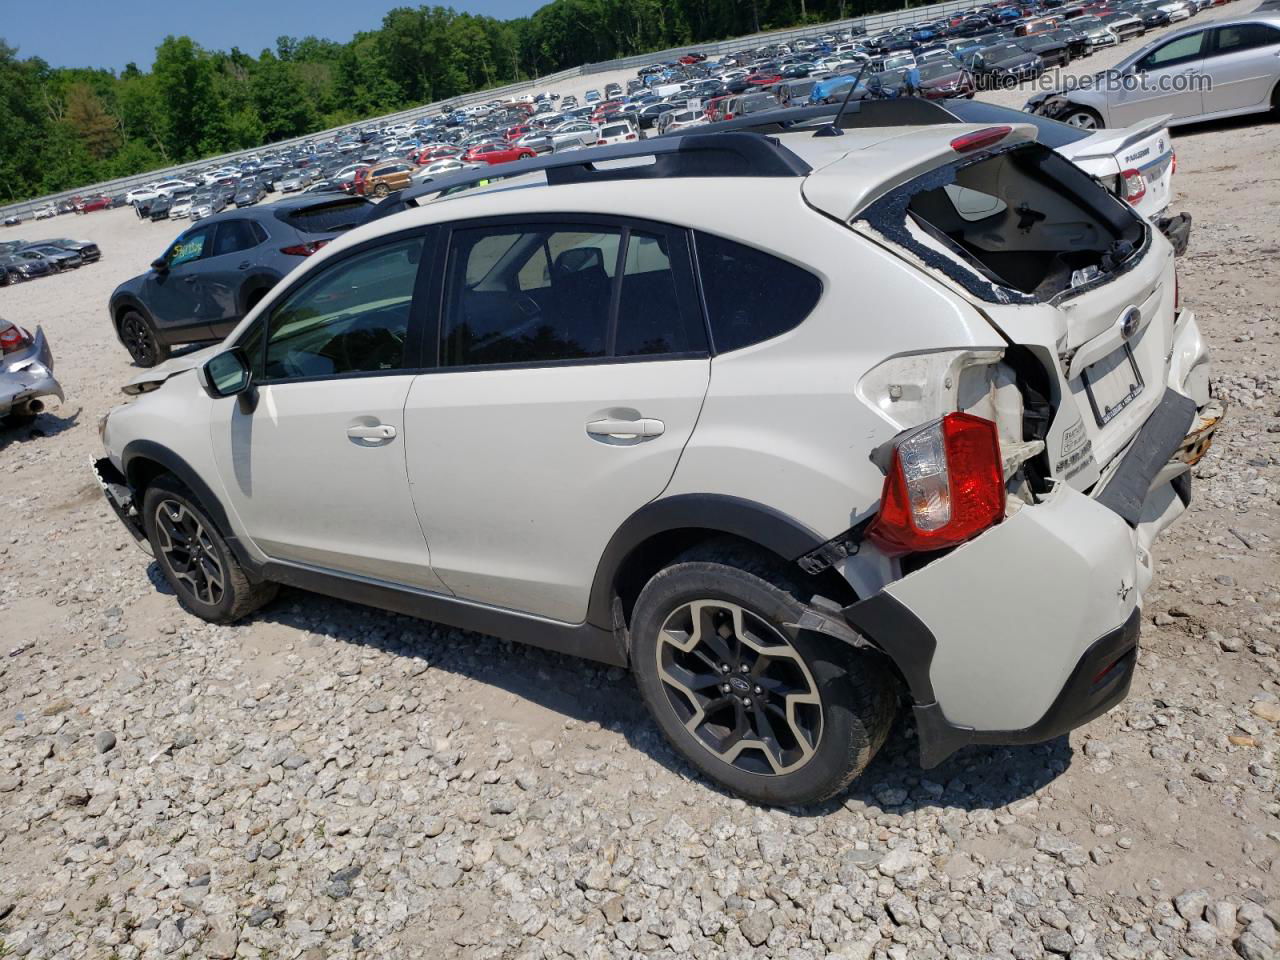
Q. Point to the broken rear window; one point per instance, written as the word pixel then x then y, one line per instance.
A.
pixel 1022 224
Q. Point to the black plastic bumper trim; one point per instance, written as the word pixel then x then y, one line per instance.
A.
pixel 120 497
pixel 1151 449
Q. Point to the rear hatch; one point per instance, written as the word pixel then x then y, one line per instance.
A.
pixel 1052 259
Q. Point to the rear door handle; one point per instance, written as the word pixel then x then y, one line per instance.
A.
pixel 380 431
pixel 643 427
pixel 190 279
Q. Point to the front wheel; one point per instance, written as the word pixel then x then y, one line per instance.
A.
pixel 1084 118
pixel 381 190
pixel 195 560
pixel 139 338
pixel 778 716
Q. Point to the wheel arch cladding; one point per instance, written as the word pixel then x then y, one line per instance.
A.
pixel 144 460
pixel 662 529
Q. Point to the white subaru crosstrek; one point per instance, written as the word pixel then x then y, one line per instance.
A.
pixel 794 427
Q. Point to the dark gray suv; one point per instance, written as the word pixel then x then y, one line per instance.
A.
pixel 216 271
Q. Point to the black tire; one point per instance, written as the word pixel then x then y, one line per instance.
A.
pixel 381 190
pixel 856 692
pixel 139 338
pixel 193 561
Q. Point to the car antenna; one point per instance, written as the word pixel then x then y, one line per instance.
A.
pixel 833 129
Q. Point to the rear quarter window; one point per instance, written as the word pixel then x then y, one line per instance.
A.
pixel 751 296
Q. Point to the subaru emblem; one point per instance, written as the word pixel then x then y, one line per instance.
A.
pixel 1129 321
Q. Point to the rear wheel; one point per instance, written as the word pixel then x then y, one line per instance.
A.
pixel 195 560
pixel 139 338
pixel 776 715
pixel 381 190
pixel 1084 118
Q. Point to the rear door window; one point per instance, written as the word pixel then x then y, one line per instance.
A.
pixel 1244 36
pixel 540 293
pixel 234 236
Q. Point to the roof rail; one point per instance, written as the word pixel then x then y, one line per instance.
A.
pixel 692 154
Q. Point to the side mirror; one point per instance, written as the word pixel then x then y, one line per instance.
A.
pixel 160 265
pixel 229 375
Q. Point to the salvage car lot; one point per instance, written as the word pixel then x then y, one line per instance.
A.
pixel 328 776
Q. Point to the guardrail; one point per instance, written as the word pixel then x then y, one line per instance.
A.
pixel 872 23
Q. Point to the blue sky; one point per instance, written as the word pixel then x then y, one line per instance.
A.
pixel 110 33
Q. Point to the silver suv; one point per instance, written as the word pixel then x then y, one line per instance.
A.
pixel 794 427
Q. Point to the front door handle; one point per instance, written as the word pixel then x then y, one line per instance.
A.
pixel 190 279
pixel 643 427
pixel 379 431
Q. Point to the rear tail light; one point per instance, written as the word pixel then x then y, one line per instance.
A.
pixel 14 338
pixel 1133 185
pixel 945 485
pixel 1174 162
pixel 980 139
pixel 304 249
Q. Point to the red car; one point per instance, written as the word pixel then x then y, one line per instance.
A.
pixel 496 153
pixel 516 132
pixel 764 79
pixel 429 154
pixel 607 106
pixel 689 58
pixel 89 204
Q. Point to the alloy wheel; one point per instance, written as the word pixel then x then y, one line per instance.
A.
pixel 137 339
pixel 739 687
pixel 1085 121
pixel 189 551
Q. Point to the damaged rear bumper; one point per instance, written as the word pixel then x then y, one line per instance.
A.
pixel 1177 230
pixel 1031 629
pixel 26 377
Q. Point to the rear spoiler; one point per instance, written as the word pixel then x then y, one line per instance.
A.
pixel 1128 137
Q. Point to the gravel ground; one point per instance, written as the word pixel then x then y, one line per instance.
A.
pixel 331 781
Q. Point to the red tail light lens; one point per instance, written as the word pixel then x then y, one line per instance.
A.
pixel 1134 185
pixel 980 139
pixel 304 249
pixel 945 485
pixel 14 338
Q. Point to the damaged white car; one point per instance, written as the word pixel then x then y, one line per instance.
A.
pixel 26 374
pixel 797 428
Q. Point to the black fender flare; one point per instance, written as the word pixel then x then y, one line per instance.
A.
pixel 127 301
pixel 148 450
pixel 716 513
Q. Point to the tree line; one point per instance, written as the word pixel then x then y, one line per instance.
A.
pixel 63 127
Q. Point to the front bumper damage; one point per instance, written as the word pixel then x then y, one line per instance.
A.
pixel 115 487
pixel 26 377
